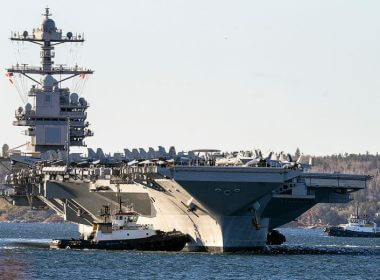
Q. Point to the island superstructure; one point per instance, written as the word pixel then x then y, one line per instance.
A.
pixel 57 116
pixel 223 201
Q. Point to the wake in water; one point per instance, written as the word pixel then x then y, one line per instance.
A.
pixel 13 243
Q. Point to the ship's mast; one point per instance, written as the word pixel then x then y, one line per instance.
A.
pixel 47 119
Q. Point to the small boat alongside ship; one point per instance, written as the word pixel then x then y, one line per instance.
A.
pixel 223 201
pixel 357 226
pixel 123 233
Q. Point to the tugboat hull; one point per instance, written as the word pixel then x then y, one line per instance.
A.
pixel 341 232
pixel 163 241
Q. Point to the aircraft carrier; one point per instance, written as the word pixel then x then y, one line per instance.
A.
pixel 223 201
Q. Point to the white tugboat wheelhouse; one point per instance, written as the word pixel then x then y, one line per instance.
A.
pixel 222 201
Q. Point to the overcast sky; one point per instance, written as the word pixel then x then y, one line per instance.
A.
pixel 219 74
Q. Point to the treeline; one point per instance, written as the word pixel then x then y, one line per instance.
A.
pixel 368 200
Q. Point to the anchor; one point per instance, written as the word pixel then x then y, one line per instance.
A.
pixel 256 219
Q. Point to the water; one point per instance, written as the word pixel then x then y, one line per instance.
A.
pixel 308 254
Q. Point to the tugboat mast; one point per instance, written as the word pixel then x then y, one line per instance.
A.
pixel 56 112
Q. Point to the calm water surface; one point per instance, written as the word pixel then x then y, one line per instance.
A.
pixel 307 254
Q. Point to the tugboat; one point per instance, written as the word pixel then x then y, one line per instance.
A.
pixel 226 201
pixel 357 227
pixel 123 233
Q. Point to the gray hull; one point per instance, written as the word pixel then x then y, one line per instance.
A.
pixel 221 209
pixel 225 202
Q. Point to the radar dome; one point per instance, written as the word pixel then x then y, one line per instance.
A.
pixel 74 98
pixel 28 107
pixel 48 81
pixel 48 25
pixel 82 101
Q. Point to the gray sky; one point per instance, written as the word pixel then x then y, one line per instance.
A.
pixel 215 74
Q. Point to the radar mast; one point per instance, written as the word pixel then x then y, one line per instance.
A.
pixel 55 112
